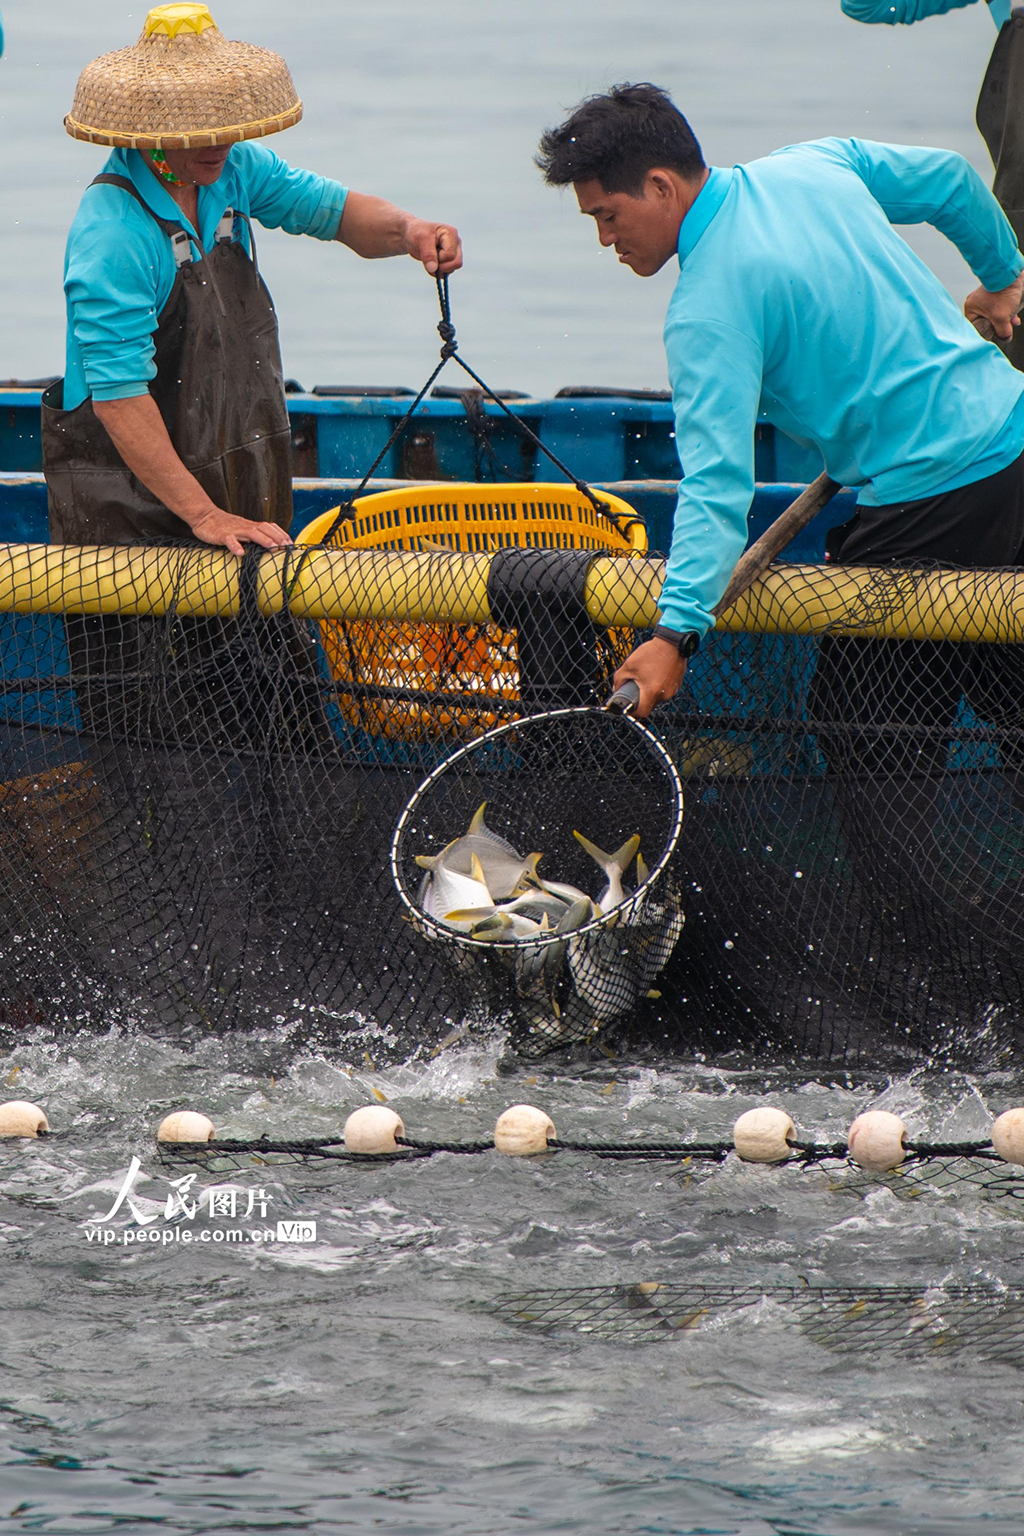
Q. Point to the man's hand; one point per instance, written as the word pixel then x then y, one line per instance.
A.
pixel 659 670
pixel 437 246
pixel 995 315
pixel 230 532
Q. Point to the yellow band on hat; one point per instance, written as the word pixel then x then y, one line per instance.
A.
pixel 169 20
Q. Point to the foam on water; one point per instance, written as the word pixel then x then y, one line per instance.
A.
pixel 357 1380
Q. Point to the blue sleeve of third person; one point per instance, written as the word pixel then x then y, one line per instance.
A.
pixel 892 13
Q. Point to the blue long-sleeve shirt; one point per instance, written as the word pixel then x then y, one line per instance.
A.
pixel 893 12
pixel 119 267
pixel 796 296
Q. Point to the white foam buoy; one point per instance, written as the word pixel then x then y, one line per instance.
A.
pixel 373 1129
pixel 523 1131
pixel 19 1118
pixel 1008 1135
pixel 875 1140
pixel 763 1135
pixel 186 1125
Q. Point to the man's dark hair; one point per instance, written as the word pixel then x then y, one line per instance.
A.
pixel 617 138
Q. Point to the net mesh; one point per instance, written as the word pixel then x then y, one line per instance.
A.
pixel 969 1170
pixel 890 1321
pixel 196 822
pixel 583 964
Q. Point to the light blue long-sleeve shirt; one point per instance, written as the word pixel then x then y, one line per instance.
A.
pixel 796 296
pixel 893 12
pixel 119 267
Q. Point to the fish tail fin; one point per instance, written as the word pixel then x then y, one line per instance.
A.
pixel 477 819
pixel 468 915
pixel 621 859
pixel 643 874
pixel 598 855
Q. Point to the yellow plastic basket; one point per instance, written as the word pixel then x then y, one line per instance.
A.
pixel 475 518
pixel 478 659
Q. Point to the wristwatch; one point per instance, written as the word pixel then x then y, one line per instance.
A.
pixel 685 641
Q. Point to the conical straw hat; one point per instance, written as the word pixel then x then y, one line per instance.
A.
pixel 183 85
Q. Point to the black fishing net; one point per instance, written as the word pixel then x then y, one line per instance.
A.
pixel 597 931
pixel 885 1321
pixel 204 765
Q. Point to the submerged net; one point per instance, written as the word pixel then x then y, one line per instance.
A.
pixel 892 1321
pixel 203 767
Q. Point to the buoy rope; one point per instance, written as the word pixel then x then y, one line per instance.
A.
pixel 450 350
pixel 804 1154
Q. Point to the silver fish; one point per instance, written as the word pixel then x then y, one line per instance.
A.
pixel 540 965
pixel 445 890
pixel 503 866
pixel 604 974
pixel 501 927
pixel 531 881
pixel 614 866
pixel 532 904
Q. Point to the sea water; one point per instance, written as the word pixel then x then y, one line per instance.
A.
pixel 355 1377
pixel 439 107
pixel 359 1380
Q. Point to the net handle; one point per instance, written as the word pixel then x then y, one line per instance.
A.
pixel 625 699
pixel 756 560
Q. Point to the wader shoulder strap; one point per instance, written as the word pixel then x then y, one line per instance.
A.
pixel 181 240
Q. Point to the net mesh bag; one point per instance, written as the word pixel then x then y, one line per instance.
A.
pixel 196 822
pixel 581 963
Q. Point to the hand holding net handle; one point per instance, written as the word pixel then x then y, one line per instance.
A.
pixel 625 699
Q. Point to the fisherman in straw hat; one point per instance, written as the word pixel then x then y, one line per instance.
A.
pixel 171 417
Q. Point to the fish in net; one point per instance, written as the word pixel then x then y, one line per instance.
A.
pixel 511 903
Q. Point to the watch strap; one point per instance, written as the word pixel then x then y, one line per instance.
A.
pixel 685 641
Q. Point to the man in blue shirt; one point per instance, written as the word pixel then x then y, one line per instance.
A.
pixel 1000 113
pixel 171 419
pixel 796 296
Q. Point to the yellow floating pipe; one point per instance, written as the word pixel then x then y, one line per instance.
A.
pixel 882 603
pixel 124 579
pixel 621 592
pixel 377 584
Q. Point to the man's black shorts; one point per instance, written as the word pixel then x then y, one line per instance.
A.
pixel 977 524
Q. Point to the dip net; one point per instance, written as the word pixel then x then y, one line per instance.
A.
pixel 204 764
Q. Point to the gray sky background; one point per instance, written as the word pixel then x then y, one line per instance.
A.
pixel 438 106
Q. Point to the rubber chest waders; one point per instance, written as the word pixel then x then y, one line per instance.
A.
pixel 235 683
pixel 220 390
pixel 1000 120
